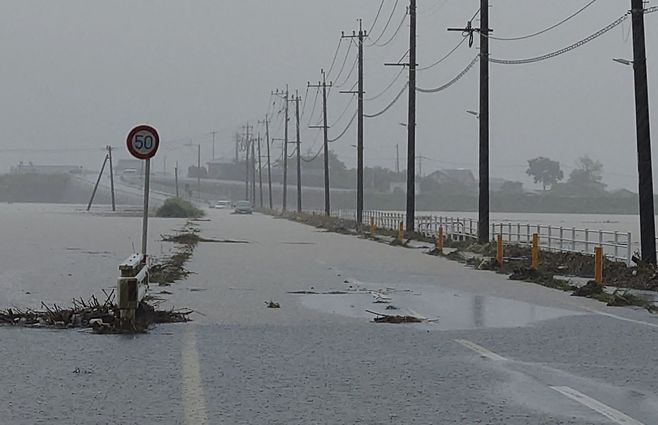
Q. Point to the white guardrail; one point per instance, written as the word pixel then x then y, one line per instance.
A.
pixel 616 245
pixel 132 285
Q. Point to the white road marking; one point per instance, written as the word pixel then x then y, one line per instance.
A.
pixel 481 350
pixel 607 411
pixel 194 401
pixel 625 319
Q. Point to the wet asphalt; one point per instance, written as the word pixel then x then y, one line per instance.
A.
pixel 492 352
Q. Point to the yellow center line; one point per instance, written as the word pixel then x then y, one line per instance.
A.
pixel 194 401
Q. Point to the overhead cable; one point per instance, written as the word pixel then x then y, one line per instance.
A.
pixel 333 61
pixel 396 78
pixel 451 82
pixel 390 105
pixel 395 34
pixel 381 5
pixel 576 45
pixel 345 130
pixel 388 22
pixel 444 57
pixel 552 27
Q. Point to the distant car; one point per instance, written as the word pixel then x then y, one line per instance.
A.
pixel 223 205
pixel 243 207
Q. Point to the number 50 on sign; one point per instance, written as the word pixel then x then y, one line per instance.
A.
pixel 143 142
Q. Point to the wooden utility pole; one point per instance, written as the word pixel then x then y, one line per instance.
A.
pixel 260 173
pixel 269 168
pixel 645 173
pixel 246 171
pixel 253 173
pixel 325 128
pixel 483 116
pixel 411 122
pixel 176 178
pixel 299 156
pixel 237 147
pixel 93 194
pixel 397 158
pixel 109 156
pixel 359 142
pixel 286 97
pixel 213 143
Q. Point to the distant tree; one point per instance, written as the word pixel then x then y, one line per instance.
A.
pixel 544 171
pixel 587 173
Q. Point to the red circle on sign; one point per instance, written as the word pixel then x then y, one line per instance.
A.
pixel 143 142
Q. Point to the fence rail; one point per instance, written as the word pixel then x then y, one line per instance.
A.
pixel 616 245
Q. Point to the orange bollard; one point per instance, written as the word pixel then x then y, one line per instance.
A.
pixel 598 265
pixel 439 241
pixel 535 252
pixel 499 250
pixel 401 232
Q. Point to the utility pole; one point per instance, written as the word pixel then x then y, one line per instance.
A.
pixel 253 173
pixel 645 174
pixel 397 158
pixel 109 155
pixel 285 96
pixel 483 203
pixel 237 147
pixel 359 144
pixel 411 123
pixel 246 174
pixel 198 170
pixel 325 127
pixel 260 173
pixel 93 194
pixel 269 168
pixel 299 153
pixel 213 143
pixel 176 178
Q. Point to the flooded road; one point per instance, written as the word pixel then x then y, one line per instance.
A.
pixel 493 352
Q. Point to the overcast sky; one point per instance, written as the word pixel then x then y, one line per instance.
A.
pixel 77 75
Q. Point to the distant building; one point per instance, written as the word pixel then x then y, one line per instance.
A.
pixel 30 168
pixel 460 176
pixel 224 169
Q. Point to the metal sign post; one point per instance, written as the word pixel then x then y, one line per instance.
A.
pixel 143 142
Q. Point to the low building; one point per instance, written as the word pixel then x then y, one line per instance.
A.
pixel 30 168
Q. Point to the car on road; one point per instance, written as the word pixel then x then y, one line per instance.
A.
pixel 222 205
pixel 243 207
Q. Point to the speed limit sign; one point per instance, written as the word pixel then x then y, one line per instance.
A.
pixel 143 142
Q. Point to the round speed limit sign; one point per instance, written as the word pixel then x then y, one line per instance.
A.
pixel 143 142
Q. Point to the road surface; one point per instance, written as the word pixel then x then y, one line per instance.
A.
pixel 493 352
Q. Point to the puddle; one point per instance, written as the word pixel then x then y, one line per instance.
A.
pixel 454 310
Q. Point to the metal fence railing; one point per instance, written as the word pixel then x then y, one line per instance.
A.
pixel 616 245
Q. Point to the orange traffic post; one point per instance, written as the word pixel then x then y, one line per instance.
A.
pixel 439 241
pixel 598 265
pixel 401 232
pixel 499 250
pixel 535 252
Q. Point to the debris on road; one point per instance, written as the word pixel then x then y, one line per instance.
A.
pixel 388 318
pixel 272 304
pixel 102 317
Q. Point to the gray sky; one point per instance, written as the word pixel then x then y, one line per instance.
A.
pixel 77 75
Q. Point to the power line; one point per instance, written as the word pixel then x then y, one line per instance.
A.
pixel 390 105
pixel 552 27
pixel 388 22
pixel 345 130
pixel 574 46
pixel 347 55
pixel 453 81
pixel 333 61
pixel 342 114
pixel 315 101
pixel 356 60
pixel 444 57
pixel 381 5
pixel 395 34
pixel 395 79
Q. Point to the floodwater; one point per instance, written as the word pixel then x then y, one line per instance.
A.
pixel 52 253
pixel 444 309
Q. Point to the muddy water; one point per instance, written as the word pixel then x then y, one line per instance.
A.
pixel 443 309
pixel 53 253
